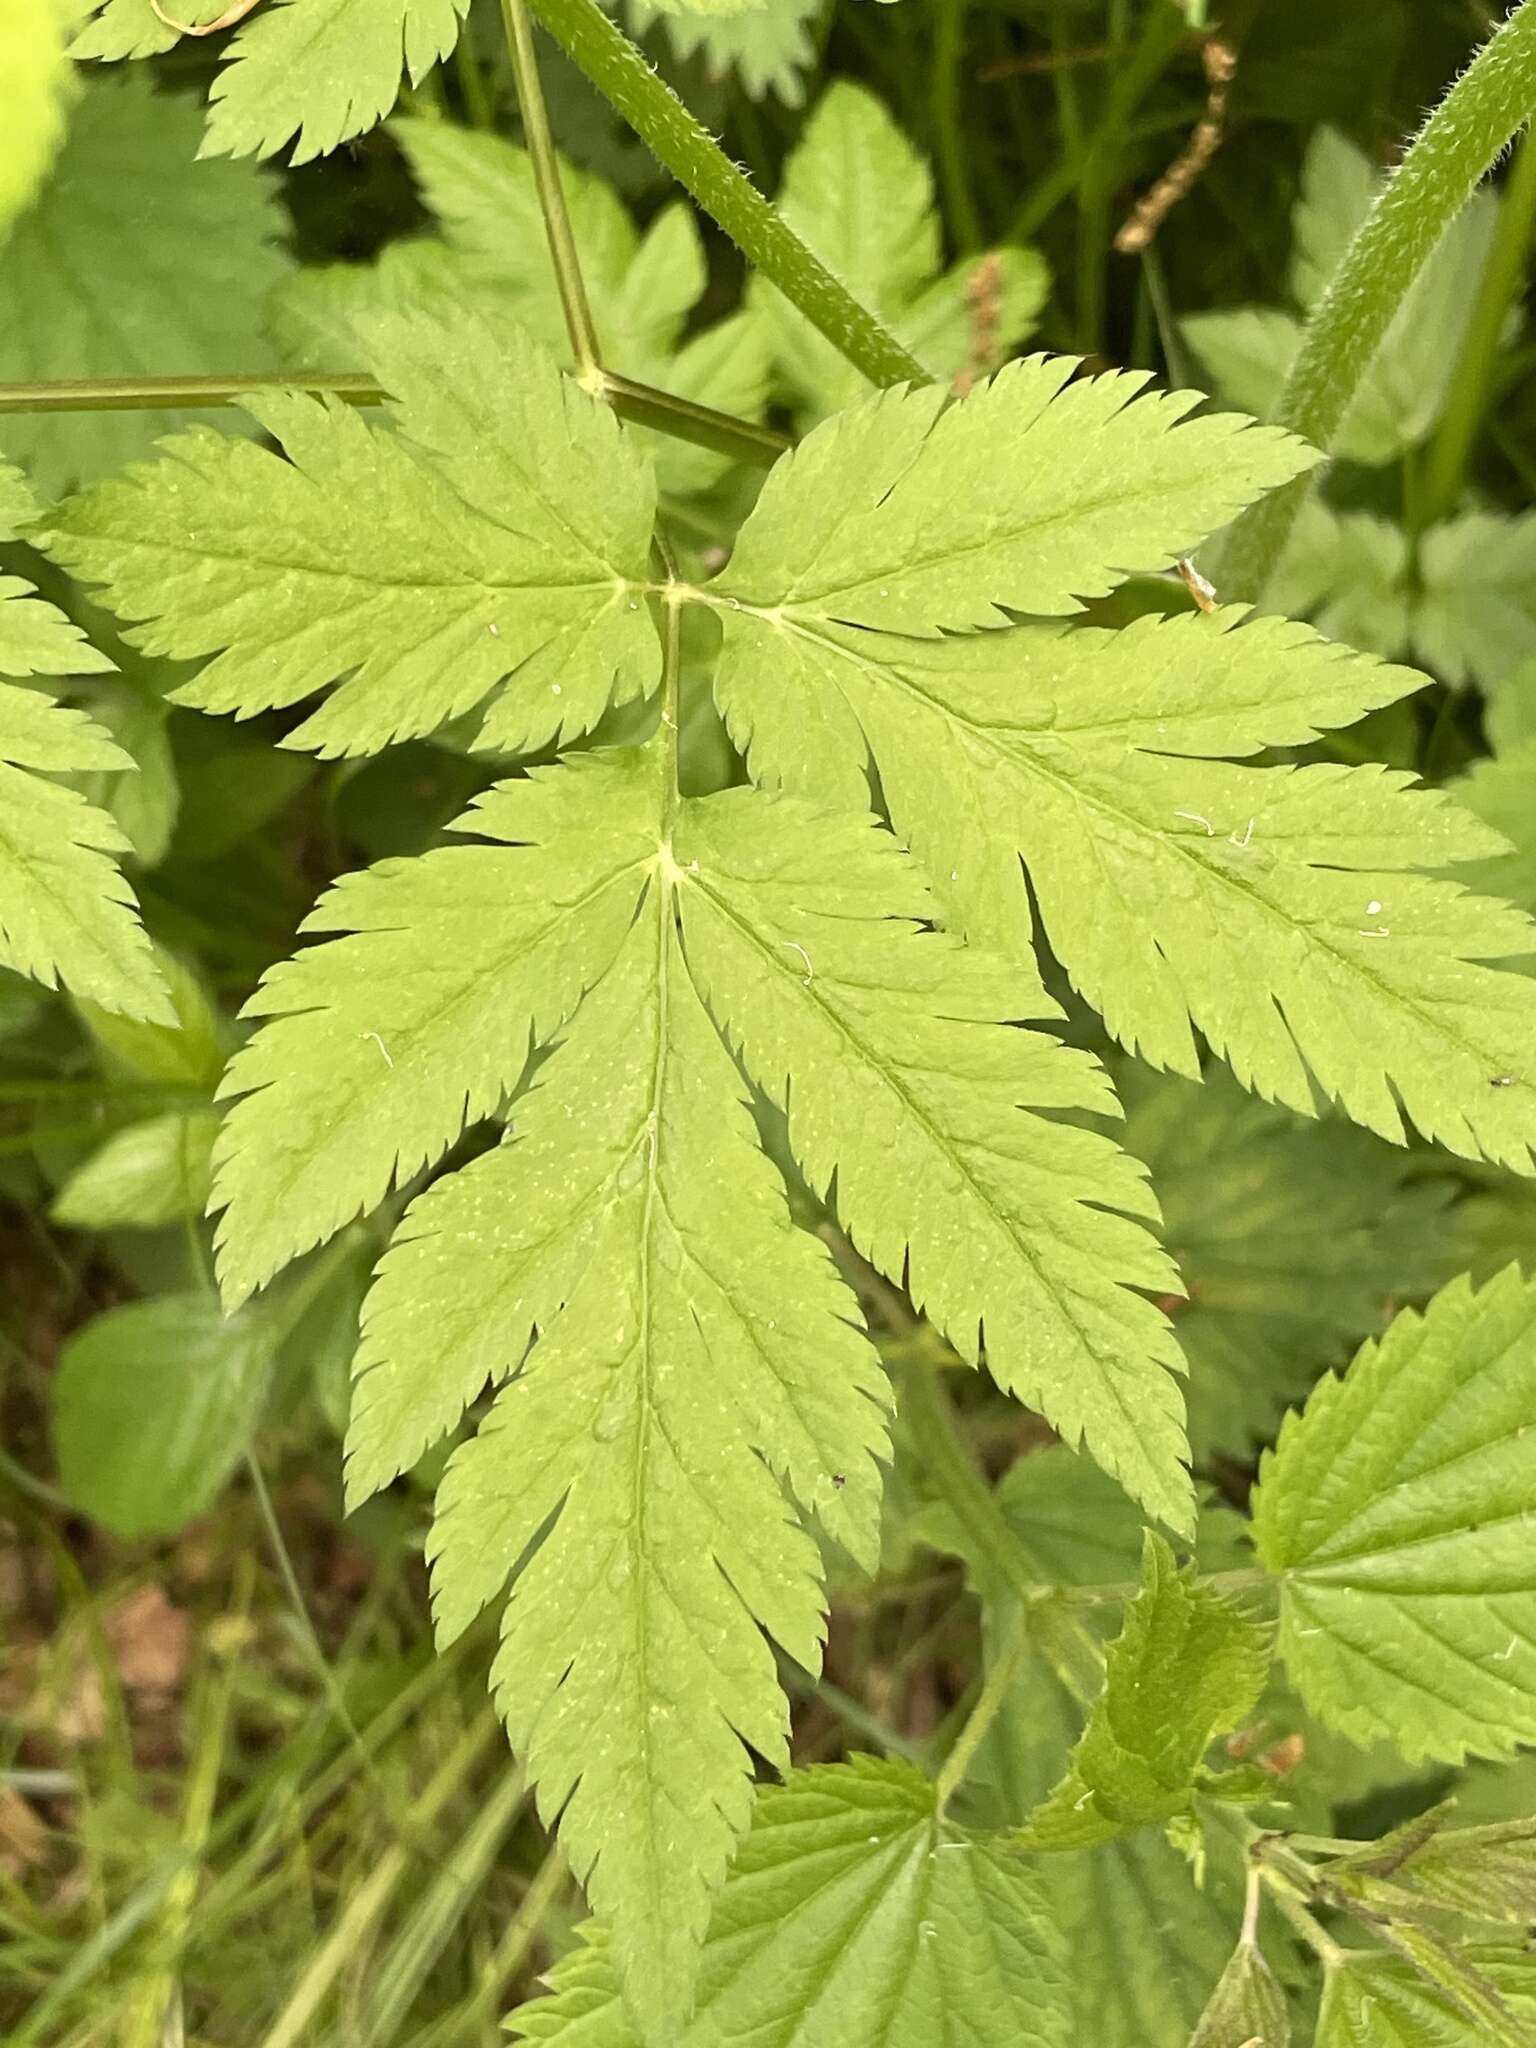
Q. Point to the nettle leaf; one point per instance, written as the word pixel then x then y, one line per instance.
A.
pixel 1267 907
pixel 1371 2000
pixel 37 88
pixel 858 194
pixel 66 914
pixel 1395 1511
pixel 1248 2008
pixel 1486 1873
pixel 500 533
pixel 767 48
pixel 132 261
pixel 1187 1666
pixel 1249 350
pixel 1295 1240
pixel 853 1912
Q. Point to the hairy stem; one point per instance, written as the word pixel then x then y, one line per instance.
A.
pixel 1491 102
pixel 687 149
pixel 644 404
pixel 1445 473
pixel 546 178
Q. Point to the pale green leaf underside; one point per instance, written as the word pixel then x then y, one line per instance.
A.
pixel 490 548
pixel 851 1915
pixel 383 1044
pixel 913 514
pixel 1398 1508
pixel 885 1046
pixel 66 914
pixel 1266 907
pixel 1187 1666
pixel 318 72
pixel 133 261
pixel 696 1357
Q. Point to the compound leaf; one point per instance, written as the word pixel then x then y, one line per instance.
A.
pixel 318 72
pixel 768 48
pixel 913 514
pixel 384 1044
pixel 131 262
pixel 492 545
pixel 66 914
pixel 853 1913
pixel 1268 907
pixel 1395 1510
pixel 1187 1666
pixel 889 1048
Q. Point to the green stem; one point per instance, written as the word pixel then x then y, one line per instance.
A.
pixel 1445 472
pixel 644 404
pixel 931 1420
pixel 1490 102
pixel 948 142
pixel 1004 1670
pixel 546 178
pixel 624 78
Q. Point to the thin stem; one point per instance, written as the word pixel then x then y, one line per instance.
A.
pixel 1489 103
pixel 674 595
pixel 1316 1937
pixel 546 179
pixel 687 149
pixel 1005 1670
pixel 932 1423
pixel 1445 472
pixel 644 404
pixel 948 141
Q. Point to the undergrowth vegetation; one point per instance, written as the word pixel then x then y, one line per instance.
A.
pixel 767 1054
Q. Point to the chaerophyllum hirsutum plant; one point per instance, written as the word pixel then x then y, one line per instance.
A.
pixel 944 776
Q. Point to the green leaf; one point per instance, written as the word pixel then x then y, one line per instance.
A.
pixel 1502 792
pixel 852 1914
pixel 858 194
pixel 768 48
pixel 149 1173
pixel 1349 573
pixel 153 1405
pixel 1250 350
pixel 319 72
pixel 1248 2007
pixel 1475 619
pixel 1267 907
pixel 37 80
pixel 1486 1873
pixel 134 260
pixel 382 1045
pixel 1377 2001
pixel 183 1049
pixel 695 1361
pixel 1394 1511
pixel 112 29
pixel 1294 1240
pixel 888 1048
pixel 493 547
pixel 913 514
pixel 66 914
pixel 1188 1666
